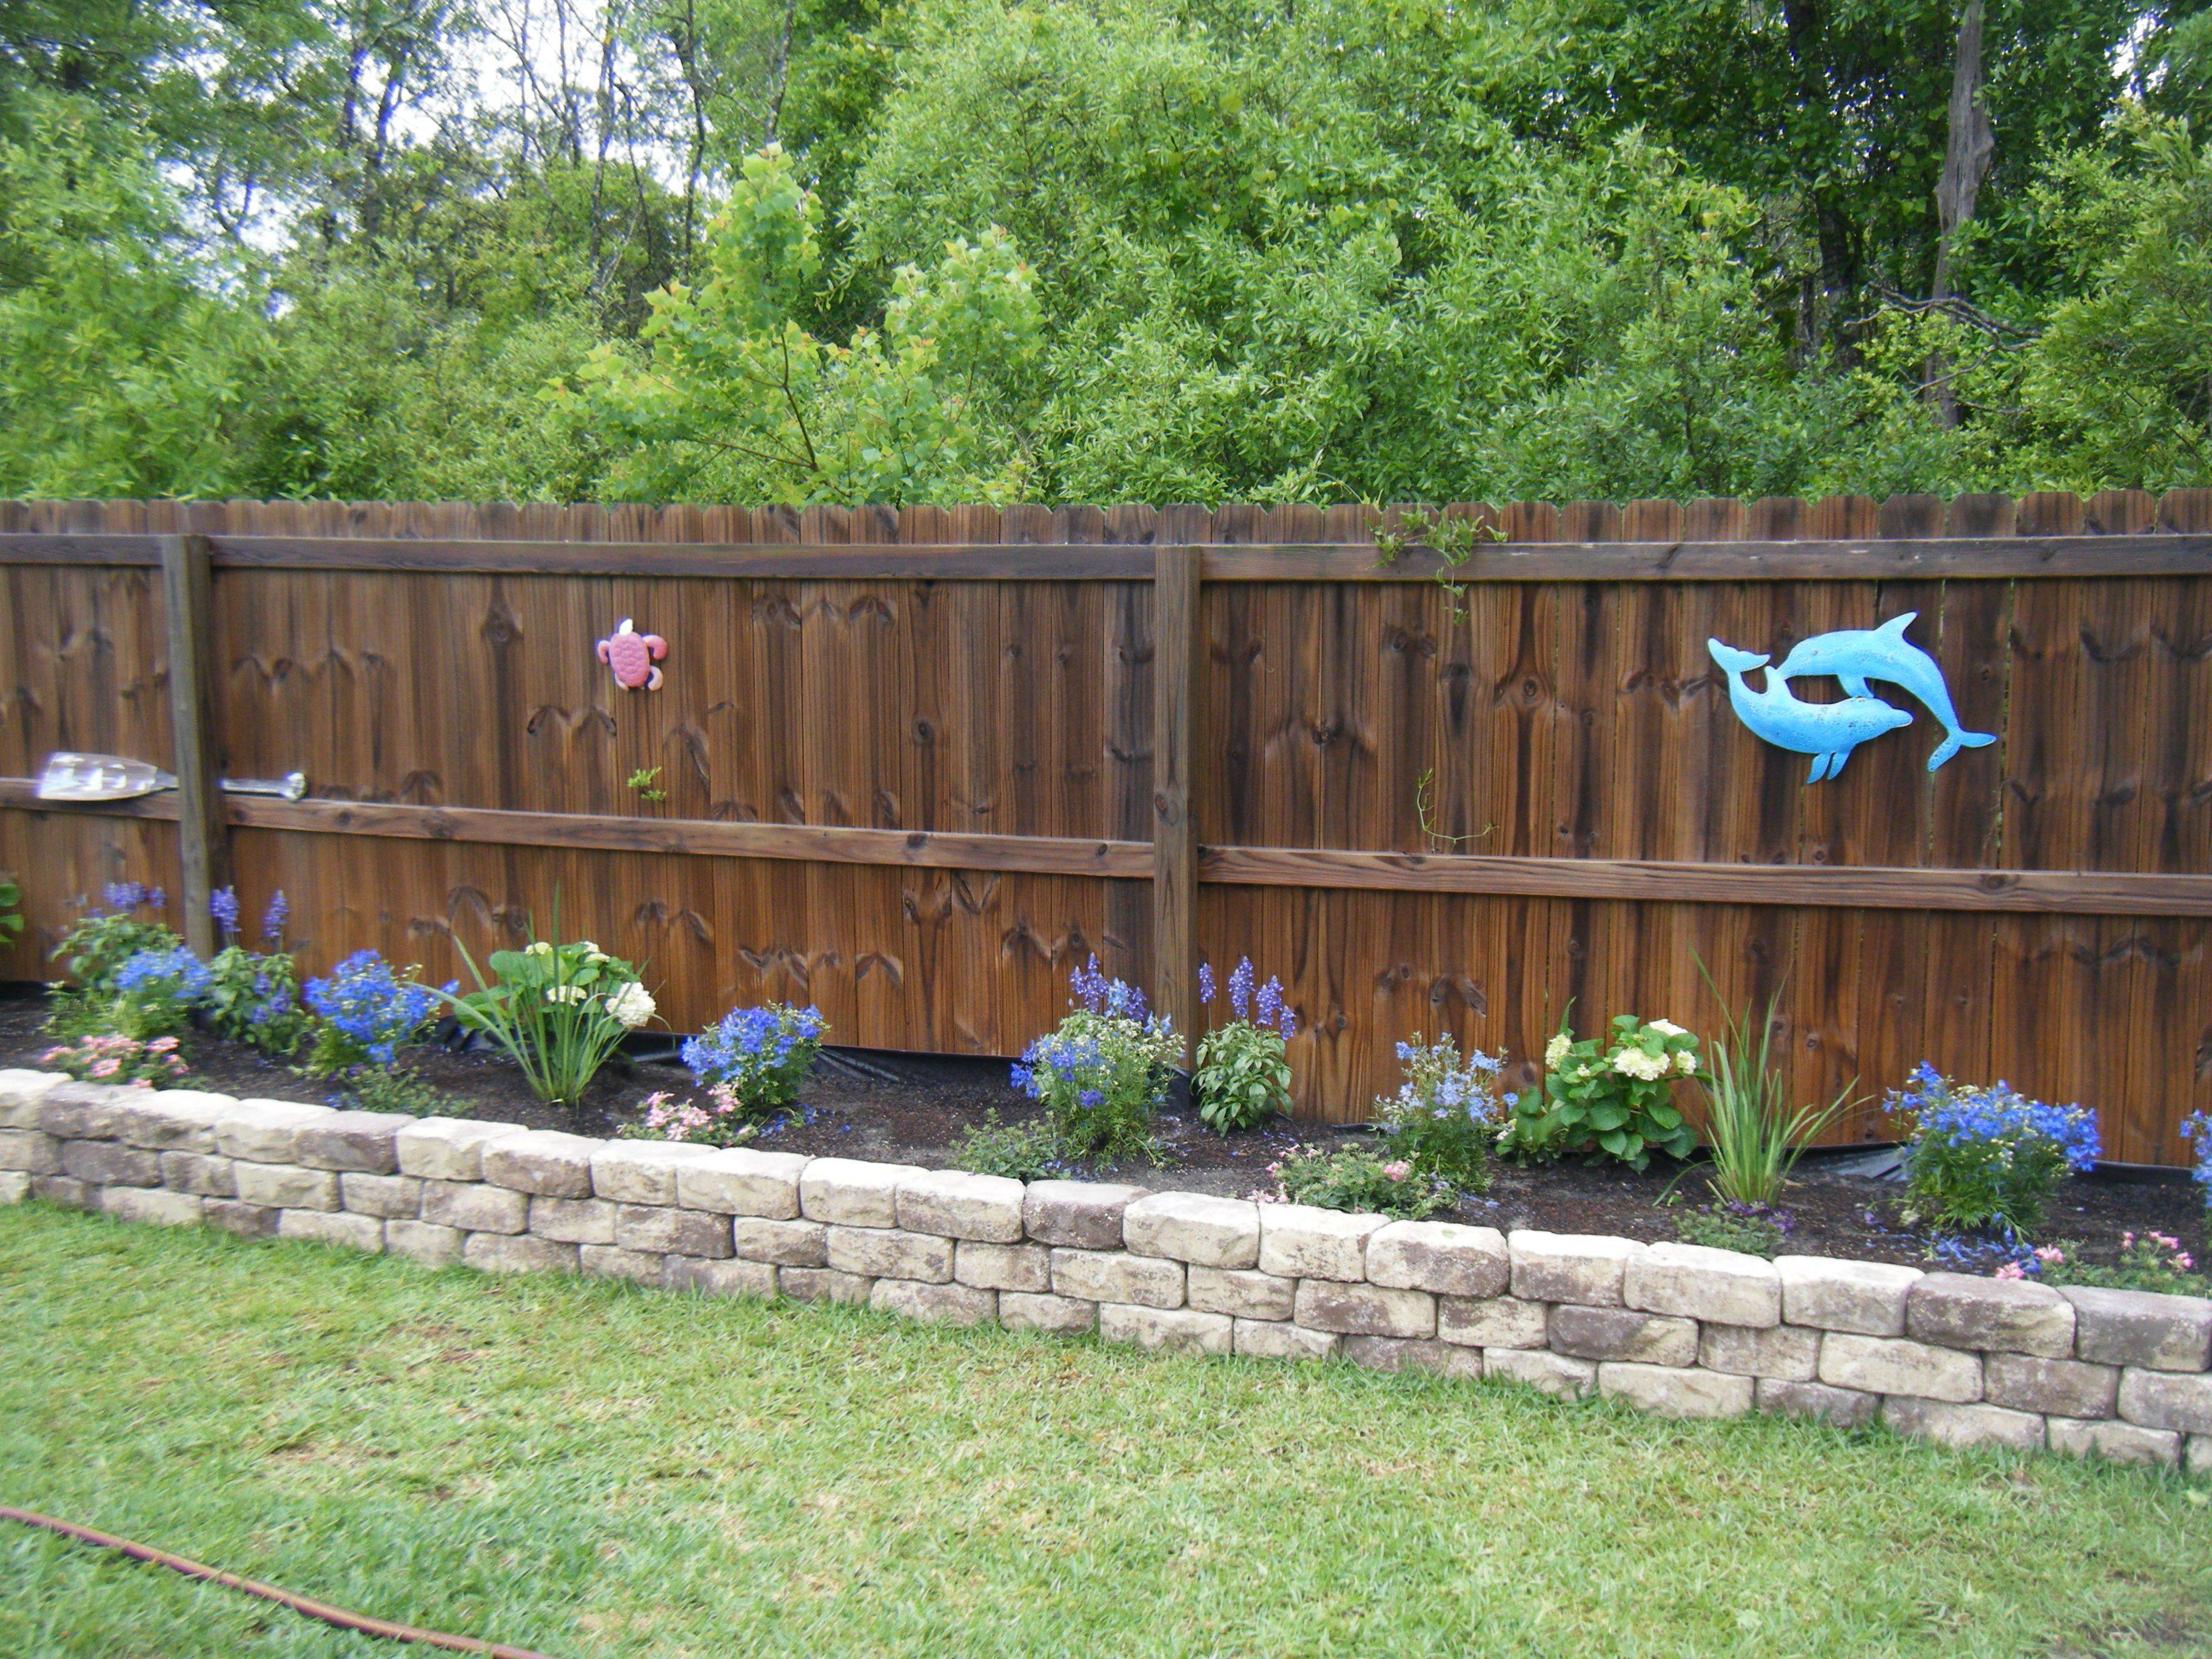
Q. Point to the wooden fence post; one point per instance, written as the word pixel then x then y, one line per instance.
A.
pixel 203 827
pixel 1174 739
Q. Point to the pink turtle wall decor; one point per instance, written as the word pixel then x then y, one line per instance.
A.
pixel 631 655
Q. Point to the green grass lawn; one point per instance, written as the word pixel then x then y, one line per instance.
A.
pixel 589 1469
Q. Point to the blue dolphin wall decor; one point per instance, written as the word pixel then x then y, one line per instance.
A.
pixel 1828 732
pixel 1856 655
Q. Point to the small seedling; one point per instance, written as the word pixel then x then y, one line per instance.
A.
pixel 1424 802
pixel 644 780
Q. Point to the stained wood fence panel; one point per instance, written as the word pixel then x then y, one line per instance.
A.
pixel 1563 710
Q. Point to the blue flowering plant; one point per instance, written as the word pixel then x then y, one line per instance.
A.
pixel 558 1011
pixel 1103 1074
pixel 751 1062
pixel 1611 1097
pixel 1986 1158
pixel 1243 1070
pixel 93 952
pixel 254 995
pixel 366 1012
pixel 1448 1112
pixel 156 991
pixel 2196 1130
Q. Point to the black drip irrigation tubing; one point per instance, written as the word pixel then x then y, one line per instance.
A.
pixel 301 1604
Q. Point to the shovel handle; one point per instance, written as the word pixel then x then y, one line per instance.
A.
pixel 291 786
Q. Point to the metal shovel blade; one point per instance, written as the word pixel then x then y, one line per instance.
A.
pixel 78 777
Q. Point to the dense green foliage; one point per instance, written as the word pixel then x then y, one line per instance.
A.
pixel 908 249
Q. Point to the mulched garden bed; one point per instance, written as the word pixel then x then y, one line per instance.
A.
pixel 917 1109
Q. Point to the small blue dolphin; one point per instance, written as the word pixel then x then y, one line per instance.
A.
pixel 1826 731
pixel 1856 655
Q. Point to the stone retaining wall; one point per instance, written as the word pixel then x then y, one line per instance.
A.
pixel 1672 1328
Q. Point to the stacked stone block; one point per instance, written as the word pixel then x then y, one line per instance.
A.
pixel 1676 1329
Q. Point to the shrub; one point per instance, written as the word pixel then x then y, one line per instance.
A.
pixel 1448 1114
pixel 1755 1228
pixel 1351 1179
pixel 752 1060
pixel 1103 1074
pixel 558 1012
pixel 365 1012
pixel 1020 1151
pixel 1242 1075
pixel 2148 1261
pixel 113 1057
pixel 1614 1100
pixel 253 997
pixel 11 912
pixel 98 945
pixel 1754 1136
pixel 1986 1156
pixel 156 991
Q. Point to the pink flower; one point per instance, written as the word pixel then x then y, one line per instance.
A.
pixel 1397 1168
pixel 2183 1261
pixel 2171 1243
pixel 107 1067
pixel 161 1045
pixel 2010 1270
pixel 2049 1253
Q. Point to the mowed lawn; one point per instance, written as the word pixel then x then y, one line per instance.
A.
pixel 588 1468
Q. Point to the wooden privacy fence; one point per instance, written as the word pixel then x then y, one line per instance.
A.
pixel 919 763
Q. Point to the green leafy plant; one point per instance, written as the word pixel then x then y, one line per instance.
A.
pixel 645 781
pixel 558 1012
pixel 1243 1076
pixel 1447 1114
pixel 11 912
pixel 1452 540
pixel 1104 1074
pixel 395 1089
pixel 252 996
pixel 1614 1099
pixel 2148 1261
pixel 1351 1179
pixel 1755 1228
pixel 1754 1138
pixel 1987 1158
pixel 1020 1151
pixel 97 944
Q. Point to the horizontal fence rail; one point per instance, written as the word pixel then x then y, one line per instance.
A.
pixel 916 764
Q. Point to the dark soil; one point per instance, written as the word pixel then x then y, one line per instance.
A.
pixel 917 1109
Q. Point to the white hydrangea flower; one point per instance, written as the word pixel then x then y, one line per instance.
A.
pixel 1556 1050
pixel 1669 1028
pixel 539 948
pixel 1686 1062
pixel 1634 1062
pixel 589 947
pixel 566 994
pixel 631 1006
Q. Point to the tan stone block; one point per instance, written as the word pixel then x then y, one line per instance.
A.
pixel 1842 1408
pixel 1244 1293
pixel 614 1261
pixel 1496 1322
pixel 743 1180
pixel 1190 1227
pixel 1442 1256
pixel 1960 1426
pixel 1415 1353
pixel 1080 1215
pixel 354 1232
pixel 204 1174
pixel 1958 1310
pixel 890 1253
pixel 156 1205
pixel 954 1204
pixel 1268 1339
pixel 849 1192
pixel 1692 1281
pixel 541 1161
pixel 2167 1399
pixel 2056 1388
pixel 447 1148
pixel 1624 1334
pixel 572 1220
pixel 285 1186
pixel 1364 1309
pixel 1675 1391
pixel 1170 1330
pixel 475 1206
pixel 1898 1365
pixel 388 1197
pixel 659 1229
pixel 1544 1372
pixel 939 1304
pixel 710 1277
pixel 1588 1269
pixel 517 1252
pixel 1115 1276
pixel 798 1243
pixel 2117 1443
pixel 1022 1267
pixel 262 1131
pixel 1301 1241
pixel 1787 1353
pixel 424 1241
pixel 1866 1299
pixel 641 1171
pixel 351 1140
pixel 1020 1310
pixel 824 1285
pixel 111 1163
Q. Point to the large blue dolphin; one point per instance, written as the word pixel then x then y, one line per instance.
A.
pixel 1856 655
pixel 1828 732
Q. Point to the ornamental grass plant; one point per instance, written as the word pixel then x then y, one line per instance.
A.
pixel 558 1011
pixel 1753 1137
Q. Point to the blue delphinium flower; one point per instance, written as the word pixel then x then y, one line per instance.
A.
pixel 222 905
pixel 272 919
pixel 1204 981
pixel 365 1000
pixel 124 896
pixel 2196 1129
pixel 1240 988
pixel 173 976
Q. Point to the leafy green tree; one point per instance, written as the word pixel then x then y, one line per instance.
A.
pixel 733 397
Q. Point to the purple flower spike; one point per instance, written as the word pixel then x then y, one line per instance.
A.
pixel 272 919
pixel 1204 981
pixel 1240 988
pixel 222 905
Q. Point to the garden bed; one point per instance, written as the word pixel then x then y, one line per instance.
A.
pixel 914 1108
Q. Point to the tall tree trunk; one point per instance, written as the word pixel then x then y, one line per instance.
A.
pixel 1966 164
